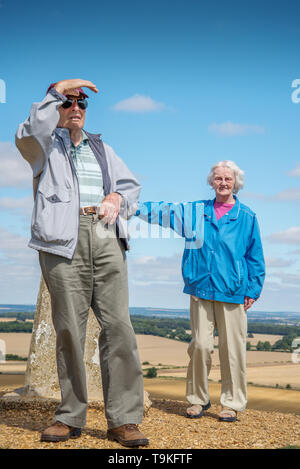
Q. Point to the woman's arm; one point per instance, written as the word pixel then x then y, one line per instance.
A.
pixel 255 263
pixel 186 219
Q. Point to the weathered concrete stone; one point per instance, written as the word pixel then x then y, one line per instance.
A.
pixel 41 373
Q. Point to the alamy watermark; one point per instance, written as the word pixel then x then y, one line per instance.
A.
pixel 2 351
pixel 2 91
pixel 163 220
pixel 296 93
pixel 296 353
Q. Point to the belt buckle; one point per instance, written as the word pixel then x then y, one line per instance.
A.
pixel 90 210
pixel 84 210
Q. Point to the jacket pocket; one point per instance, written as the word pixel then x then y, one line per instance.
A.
pixel 51 217
pixel 240 271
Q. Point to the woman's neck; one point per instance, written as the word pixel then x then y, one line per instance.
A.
pixel 225 199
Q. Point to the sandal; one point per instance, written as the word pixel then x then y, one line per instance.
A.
pixel 199 409
pixel 227 415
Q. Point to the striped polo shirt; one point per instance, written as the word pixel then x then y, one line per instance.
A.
pixel 89 173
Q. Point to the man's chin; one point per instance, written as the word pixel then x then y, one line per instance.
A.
pixel 74 125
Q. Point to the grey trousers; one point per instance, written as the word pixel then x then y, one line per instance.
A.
pixel 231 321
pixel 96 277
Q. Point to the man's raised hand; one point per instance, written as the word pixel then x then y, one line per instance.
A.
pixel 65 86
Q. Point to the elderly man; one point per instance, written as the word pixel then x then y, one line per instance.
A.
pixel 77 181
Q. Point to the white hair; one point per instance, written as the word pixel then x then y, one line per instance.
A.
pixel 238 174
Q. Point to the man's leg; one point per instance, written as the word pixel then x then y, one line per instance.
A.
pixel 70 286
pixel 121 371
pixel 200 349
pixel 232 329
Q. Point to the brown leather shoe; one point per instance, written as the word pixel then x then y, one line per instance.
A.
pixel 60 432
pixel 128 435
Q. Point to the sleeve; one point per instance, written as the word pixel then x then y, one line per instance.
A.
pixel 255 263
pixel 34 137
pixel 186 219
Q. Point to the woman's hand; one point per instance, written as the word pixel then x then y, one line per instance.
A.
pixel 248 302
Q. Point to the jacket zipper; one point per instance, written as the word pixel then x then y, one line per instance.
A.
pixel 239 273
pixel 74 171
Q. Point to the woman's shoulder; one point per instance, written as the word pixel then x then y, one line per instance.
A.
pixel 247 210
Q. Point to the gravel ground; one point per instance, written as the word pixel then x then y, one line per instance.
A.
pixel 164 424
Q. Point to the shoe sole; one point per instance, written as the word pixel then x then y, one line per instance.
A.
pixel 76 433
pixel 128 443
pixel 227 419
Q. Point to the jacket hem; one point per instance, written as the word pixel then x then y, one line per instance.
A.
pixel 214 296
pixel 40 246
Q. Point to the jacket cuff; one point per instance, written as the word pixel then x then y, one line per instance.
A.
pixel 252 294
pixel 57 95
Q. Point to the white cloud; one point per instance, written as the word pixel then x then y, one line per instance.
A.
pixel 150 270
pixel 15 171
pixel 21 205
pixel 292 194
pixel 231 129
pixel 288 280
pixel 138 103
pixel 19 269
pixel 288 195
pixel 278 262
pixel 295 172
pixel 253 195
pixel 156 282
pixel 289 236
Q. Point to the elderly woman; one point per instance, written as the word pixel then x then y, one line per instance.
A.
pixel 224 275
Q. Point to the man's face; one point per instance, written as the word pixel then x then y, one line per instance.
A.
pixel 73 117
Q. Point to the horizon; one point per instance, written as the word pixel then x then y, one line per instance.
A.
pixel 156 308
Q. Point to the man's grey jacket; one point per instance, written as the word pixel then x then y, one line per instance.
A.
pixel 55 217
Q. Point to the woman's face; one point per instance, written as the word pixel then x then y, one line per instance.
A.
pixel 223 181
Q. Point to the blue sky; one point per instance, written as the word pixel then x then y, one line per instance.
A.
pixel 182 86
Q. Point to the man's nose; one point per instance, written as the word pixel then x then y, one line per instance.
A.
pixel 75 105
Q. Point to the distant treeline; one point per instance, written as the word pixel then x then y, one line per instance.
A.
pixel 175 328
pixel 172 328
pixel 20 315
pixel 16 326
pixel 275 329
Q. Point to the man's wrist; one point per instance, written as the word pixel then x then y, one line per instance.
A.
pixel 60 87
pixel 122 200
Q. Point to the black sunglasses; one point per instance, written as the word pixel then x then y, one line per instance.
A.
pixel 82 103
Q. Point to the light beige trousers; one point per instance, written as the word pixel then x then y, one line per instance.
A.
pixel 231 322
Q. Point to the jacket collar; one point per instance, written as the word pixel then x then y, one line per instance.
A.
pixel 210 212
pixel 65 134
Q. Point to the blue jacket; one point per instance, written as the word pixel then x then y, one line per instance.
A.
pixel 222 260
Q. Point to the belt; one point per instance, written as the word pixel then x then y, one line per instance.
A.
pixel 88 210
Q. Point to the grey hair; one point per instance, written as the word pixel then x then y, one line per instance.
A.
pixel 238 173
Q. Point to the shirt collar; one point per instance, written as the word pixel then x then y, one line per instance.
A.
pixel 84 139
pixel 84 136
pixel 234 212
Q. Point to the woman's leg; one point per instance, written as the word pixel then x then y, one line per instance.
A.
pixel 231 322
pixel 200 349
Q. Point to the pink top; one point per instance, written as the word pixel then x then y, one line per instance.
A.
pixel 221 209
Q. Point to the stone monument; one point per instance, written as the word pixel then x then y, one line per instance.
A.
pixel 41 373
